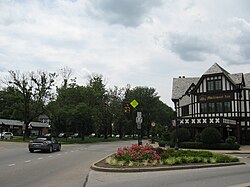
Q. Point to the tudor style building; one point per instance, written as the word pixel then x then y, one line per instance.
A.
pixel 217 99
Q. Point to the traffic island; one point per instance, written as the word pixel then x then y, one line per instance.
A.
pixel 101 165
pixel 146 158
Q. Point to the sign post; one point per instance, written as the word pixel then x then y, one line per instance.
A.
pixel 139 122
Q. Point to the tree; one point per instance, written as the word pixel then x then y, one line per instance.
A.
pixel 35 90
pixel 153 110
pixel 10 101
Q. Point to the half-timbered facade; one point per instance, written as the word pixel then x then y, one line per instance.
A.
pixel 218 99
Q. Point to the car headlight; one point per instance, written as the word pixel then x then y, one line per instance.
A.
pixel 46 142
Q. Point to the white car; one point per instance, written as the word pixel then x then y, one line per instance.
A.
pixel 6 135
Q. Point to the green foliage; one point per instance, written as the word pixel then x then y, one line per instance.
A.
pixel 198 137
pixel 200 145
pixel 182 134
pixel 231 140
pixel 225 158
pixel 210 135
pixel 162 143
pixel 180 153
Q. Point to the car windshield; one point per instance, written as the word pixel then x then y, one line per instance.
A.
pixel 42 138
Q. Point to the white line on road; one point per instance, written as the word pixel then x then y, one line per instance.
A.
pixel 50 156
pixel 40 158
pixel 11 165
pixel 27 161
pixel 59 154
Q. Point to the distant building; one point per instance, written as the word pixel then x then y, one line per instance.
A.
pixel 17 127
pixel 217 99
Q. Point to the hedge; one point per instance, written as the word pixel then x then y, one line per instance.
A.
pixel 200 145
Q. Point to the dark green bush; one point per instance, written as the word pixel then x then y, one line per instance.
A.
pixel 198 137
pixel 182 153
pixel 218 146
pixel 182 134
pixel 162 143
pixel 225 158
pixel 210 135
pixel 165 136
pixel 231 140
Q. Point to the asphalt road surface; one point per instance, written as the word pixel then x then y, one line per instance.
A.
pixel 69 167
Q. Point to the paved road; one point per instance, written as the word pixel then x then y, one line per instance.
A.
pixel 205 177
pixel 69 167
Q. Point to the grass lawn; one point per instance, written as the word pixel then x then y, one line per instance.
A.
pixel 71 140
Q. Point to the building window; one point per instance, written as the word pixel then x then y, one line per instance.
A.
pixel 214 85
pixel 185 110
pixel 210 85
pixel 211 107
pixel 219 107
pixel 203 107
pixel 217 85
pixel 227 106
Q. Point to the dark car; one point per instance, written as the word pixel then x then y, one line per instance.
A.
pixel 44 143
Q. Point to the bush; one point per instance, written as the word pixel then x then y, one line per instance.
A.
pixel 183 134
pixel 165 136
pixel 162 143
pixel 210 135
pixel 198 137
pixel 136 153
pixel 218 146
pixel 231 140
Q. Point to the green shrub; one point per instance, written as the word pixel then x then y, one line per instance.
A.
pixel 231 140
pixel 218 146
pixel 210 135
pixel 162 143
pixel 165 136
pixel 198 137
pixel 183 134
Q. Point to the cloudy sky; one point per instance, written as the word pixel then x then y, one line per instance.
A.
pixel 136 42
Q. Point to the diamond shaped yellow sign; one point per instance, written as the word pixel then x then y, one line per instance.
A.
pixel 134 103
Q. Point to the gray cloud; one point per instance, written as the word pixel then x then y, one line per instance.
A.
pixel 129 13
pixel 190 47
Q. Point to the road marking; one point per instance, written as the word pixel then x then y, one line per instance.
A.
pixel 72 151
pixel 40 158
pixel 50 156
pixel 11 165
pixel 27 161
pixel 59 154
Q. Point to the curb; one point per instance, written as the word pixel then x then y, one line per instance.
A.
pixel 162 168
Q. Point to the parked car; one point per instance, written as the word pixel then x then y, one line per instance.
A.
pixel 92 135
pixel 44 143
pixel 75 135
pixel 62 135
pixel 6 135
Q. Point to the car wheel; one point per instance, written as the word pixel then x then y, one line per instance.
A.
pixel 31 150
pixel 59 148
pixel 50 149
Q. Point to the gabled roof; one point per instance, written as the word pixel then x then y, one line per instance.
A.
pixel 214 69
pixel 39 124
pixel 236 78
pixel 11 122
pixel 247 80
pixel 180 86
pixel 20 123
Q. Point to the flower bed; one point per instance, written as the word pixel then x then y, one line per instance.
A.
pixel 142 156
